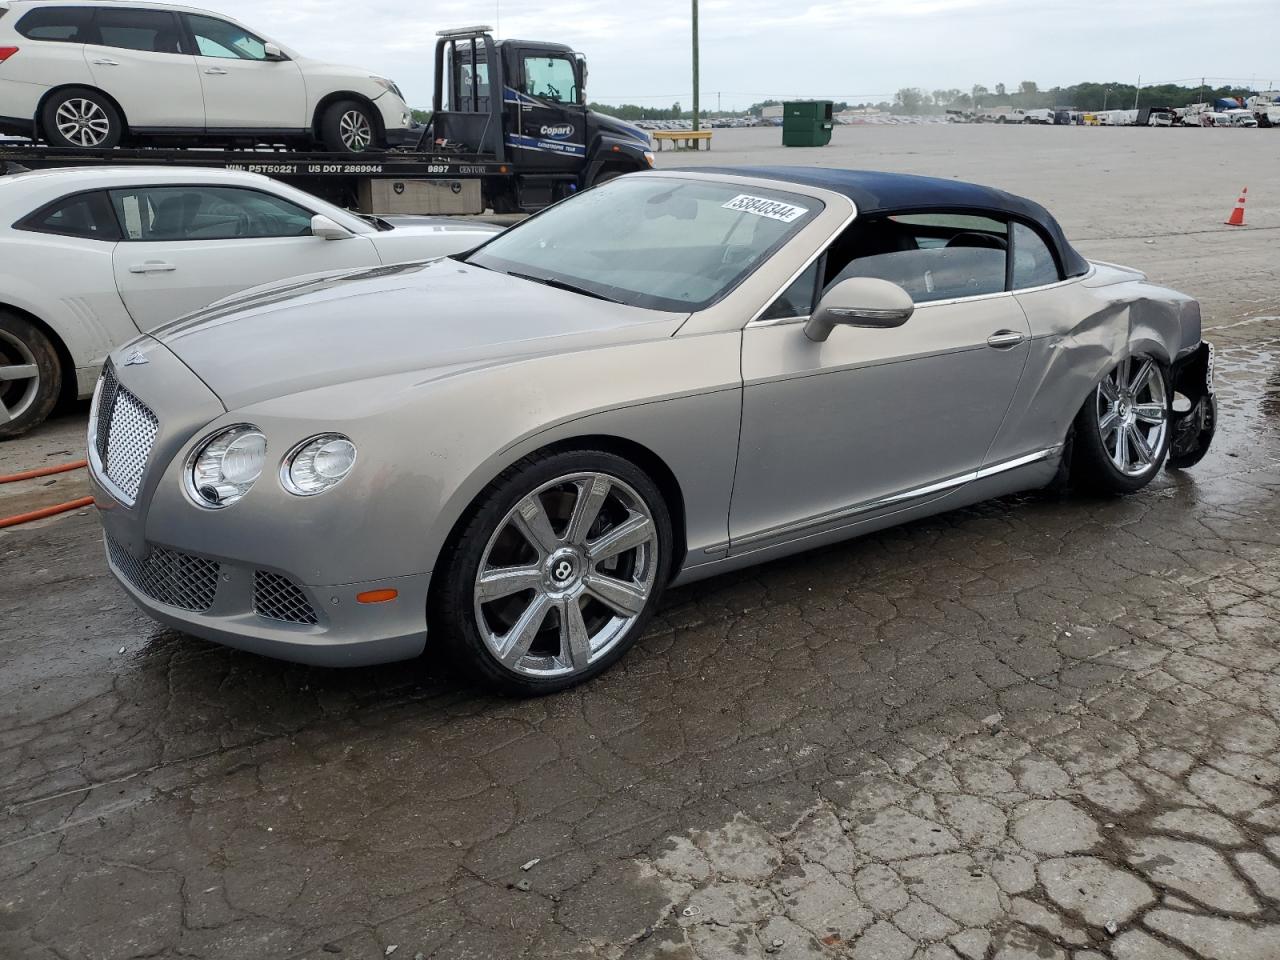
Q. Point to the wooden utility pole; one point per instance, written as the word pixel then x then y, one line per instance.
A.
pixel 695 64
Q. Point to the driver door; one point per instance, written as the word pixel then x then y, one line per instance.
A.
pixel 872 421
pixel 552 118
pixel 186 246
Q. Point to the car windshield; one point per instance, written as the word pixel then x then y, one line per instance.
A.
pixel 660 243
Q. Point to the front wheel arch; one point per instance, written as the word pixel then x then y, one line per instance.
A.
pixel 640 455
pixel 329 99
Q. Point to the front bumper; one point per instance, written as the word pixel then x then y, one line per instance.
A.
pixel 276 579
pixel 346 633
pixel 404 136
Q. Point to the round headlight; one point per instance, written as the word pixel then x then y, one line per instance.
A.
pixel 317 464
pixel 223 470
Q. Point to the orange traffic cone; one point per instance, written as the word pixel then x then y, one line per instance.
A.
pixel 1237 215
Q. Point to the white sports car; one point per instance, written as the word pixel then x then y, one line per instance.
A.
pixel 90 258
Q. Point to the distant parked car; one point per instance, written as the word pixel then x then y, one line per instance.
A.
pixel 97 73
pixel 90 258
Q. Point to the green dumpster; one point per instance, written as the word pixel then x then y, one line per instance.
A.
pixel 806 123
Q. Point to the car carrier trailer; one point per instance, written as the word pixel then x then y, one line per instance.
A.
pixel 509 132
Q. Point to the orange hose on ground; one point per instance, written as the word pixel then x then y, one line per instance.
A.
pixel 44 471
pixel 45 512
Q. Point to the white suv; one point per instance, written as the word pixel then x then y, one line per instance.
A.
pixel 99 72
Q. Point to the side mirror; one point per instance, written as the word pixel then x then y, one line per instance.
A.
pixel 326 229
pixel 273 52
pixel 859 302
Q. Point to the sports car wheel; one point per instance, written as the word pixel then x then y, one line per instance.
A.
pixel 557 572
pixel 30 375
pixel 348 127
pixel 1122 431
pixel 78 117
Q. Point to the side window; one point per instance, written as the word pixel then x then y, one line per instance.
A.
pixel 551 78
pixel 1033 263
pixel 86 215
pixel 149 31
pixel 218 38
pixel 206 213
pixel 65 24
pixel 940 256
pixel 797 300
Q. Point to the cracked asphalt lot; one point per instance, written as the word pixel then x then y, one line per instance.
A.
pixel 1045 727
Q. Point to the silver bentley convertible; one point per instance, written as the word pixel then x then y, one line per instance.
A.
pixel 512 452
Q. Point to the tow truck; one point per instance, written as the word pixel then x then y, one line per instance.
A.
pixel 509 132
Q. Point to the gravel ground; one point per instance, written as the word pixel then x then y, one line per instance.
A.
pixel 1045 727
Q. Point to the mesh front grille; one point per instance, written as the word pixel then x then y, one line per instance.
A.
pixel 133 431
pixel 105 402
pixel 279 598
pixel 177 579
pixel 124 431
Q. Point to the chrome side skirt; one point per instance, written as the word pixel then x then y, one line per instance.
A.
pixel 795 528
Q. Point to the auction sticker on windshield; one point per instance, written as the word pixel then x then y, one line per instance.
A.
pixel 764 207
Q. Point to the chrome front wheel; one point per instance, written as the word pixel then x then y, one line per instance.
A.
pixel 1133 415
pixel 566 575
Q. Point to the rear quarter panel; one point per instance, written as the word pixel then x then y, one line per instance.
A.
pixel 36 68
pixel 68 284
pixel 1081 329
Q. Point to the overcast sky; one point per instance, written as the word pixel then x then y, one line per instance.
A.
pixel 752 49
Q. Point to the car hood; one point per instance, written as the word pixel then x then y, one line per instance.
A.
pixel 438 317
pixel 419 225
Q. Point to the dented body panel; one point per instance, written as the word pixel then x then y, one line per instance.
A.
pixel 1080 329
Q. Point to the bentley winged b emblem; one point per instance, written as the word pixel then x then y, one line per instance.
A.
pixel 136 358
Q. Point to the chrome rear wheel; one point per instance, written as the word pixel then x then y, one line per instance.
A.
pixel 1132 405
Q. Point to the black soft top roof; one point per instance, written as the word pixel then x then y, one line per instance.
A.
pixel 875 192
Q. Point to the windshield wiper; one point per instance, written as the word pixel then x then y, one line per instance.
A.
pixel 562 285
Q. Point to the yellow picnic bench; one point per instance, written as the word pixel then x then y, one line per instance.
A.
pixel 683 139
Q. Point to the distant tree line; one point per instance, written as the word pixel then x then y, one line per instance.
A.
pixel 1028 95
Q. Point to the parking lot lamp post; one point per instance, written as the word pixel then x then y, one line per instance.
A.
pixel 695 64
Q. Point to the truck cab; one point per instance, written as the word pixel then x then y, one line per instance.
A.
pixel 523 102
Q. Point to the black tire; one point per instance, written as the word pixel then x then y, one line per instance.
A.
pixel 452 613
pixel 347 124
pixel 1092 469
pixel 27 402
pixel 95 108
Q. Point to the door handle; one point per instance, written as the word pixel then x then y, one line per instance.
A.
pixel 1003 339
pixel 153 266
pixel 216 72
pixel 104 62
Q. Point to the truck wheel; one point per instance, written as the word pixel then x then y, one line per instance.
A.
pixel 30 375
pixel 77 118
pixel 348 127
